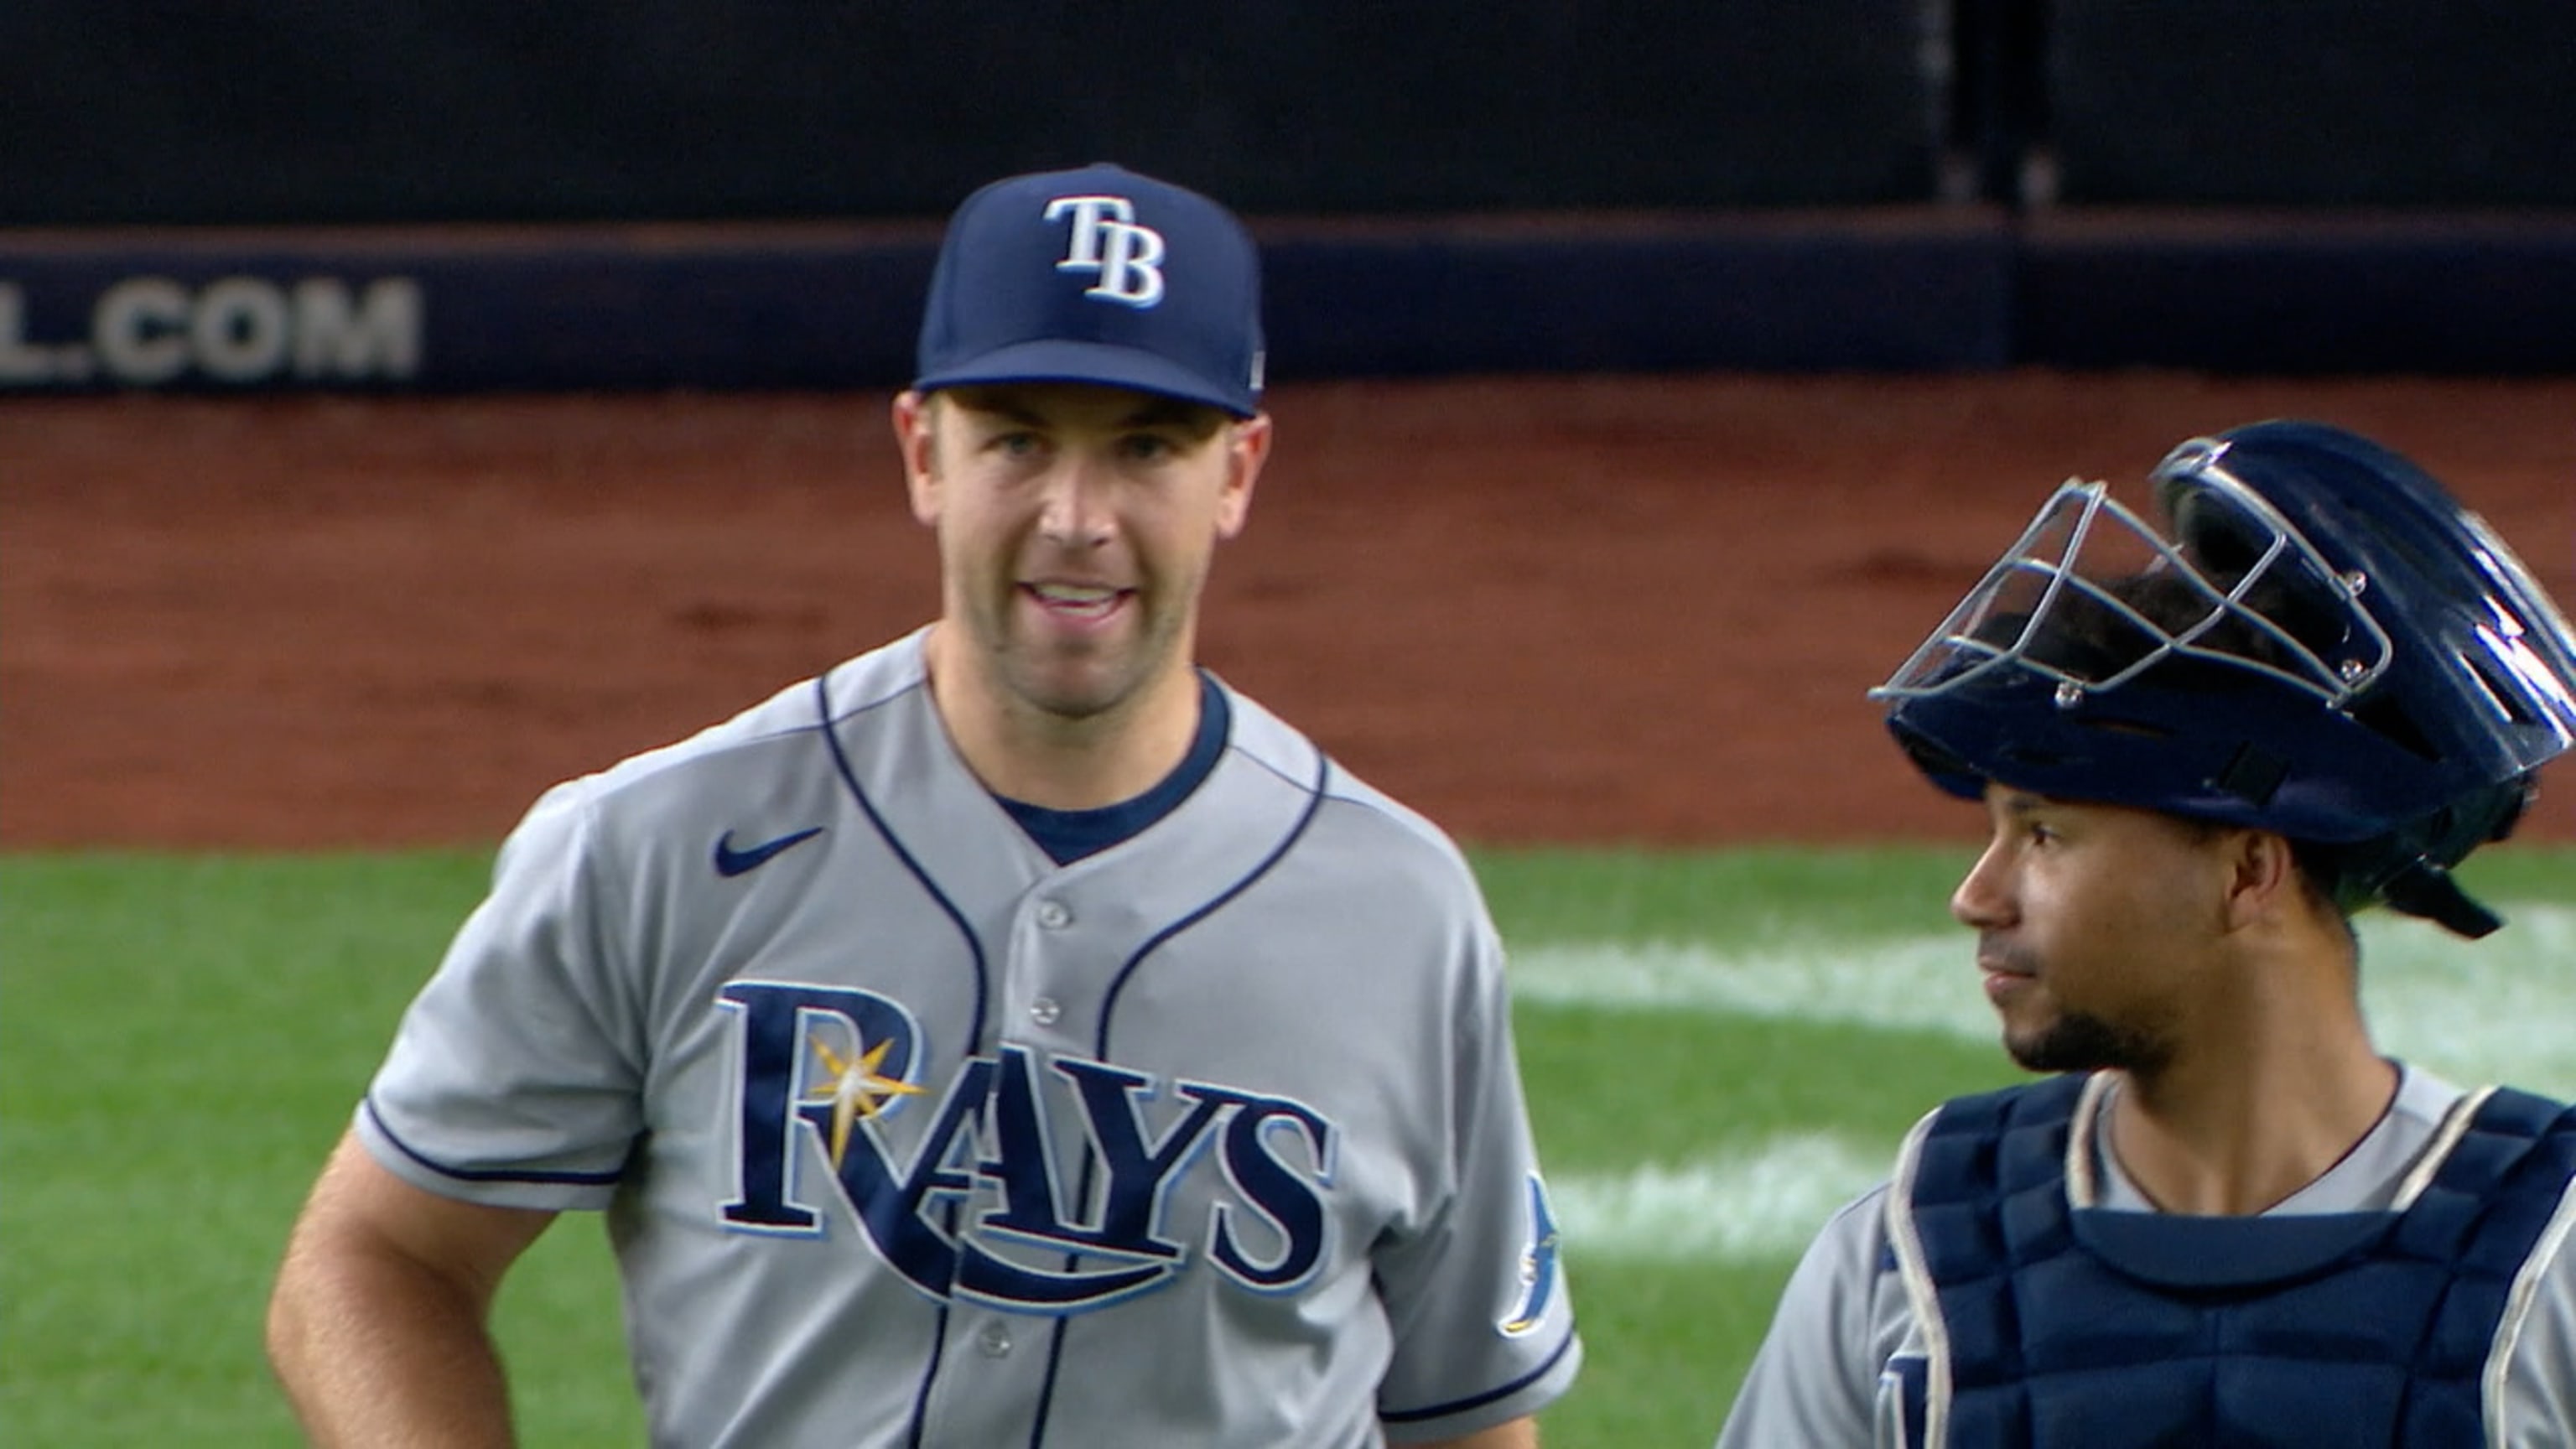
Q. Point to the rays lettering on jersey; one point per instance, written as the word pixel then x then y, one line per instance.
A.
pixel 822 1068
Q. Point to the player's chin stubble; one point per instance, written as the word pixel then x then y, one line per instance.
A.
pixel 1086 684
pixel 2079 1042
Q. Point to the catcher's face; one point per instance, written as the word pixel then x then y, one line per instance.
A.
pixel 2100 931
pixel 1076 527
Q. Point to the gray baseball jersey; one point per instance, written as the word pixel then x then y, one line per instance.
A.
pixel 909 1136
pixel 1818 1380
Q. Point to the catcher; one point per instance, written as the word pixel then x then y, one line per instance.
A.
pixel 2222 1217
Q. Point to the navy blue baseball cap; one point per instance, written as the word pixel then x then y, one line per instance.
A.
pixel 1096 275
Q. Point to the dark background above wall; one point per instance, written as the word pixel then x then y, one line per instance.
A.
pixel 743 193
pixel 302 111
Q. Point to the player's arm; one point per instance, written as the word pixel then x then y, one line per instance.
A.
pixel 2539 1400
pixel 1813 1383
pixel 1518 1434
pixel 377 1327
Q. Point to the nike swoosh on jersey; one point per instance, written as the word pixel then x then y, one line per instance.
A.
pixel 731 862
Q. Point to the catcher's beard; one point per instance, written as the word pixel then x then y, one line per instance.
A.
pixel 2080 1042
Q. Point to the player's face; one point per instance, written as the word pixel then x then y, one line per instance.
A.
pixel 1076 526
pixel 2095 930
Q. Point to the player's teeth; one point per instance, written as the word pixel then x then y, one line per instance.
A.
pixel 1086 598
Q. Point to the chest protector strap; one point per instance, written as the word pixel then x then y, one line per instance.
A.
pixel 2052 1324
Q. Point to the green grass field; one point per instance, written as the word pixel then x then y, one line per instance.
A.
pixel 1718 1048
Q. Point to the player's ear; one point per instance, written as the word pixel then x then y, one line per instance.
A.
pixel 916 433
pixel 2262 874
pixel 1247 448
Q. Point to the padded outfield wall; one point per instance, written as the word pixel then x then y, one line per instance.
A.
pixel 744 193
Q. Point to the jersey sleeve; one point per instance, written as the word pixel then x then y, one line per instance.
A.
pixel 1476 1298
pixel 1814 1382
pixel 514 1078
pixel 2537 1407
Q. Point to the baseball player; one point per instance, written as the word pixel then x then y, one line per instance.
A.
pixel 2223 1219
pixel 1013 1036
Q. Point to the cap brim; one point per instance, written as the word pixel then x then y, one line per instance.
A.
pixel 1099 364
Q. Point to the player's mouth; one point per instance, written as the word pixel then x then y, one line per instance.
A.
pixel 2003 986
pixel 2006 975
pixel 1080 606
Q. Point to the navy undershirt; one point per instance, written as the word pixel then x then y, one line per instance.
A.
pixel 1069 835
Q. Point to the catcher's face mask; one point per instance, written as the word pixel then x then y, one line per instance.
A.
pixel 2318 641
pixel 2092 597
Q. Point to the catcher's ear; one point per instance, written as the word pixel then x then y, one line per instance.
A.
pixel 2262 876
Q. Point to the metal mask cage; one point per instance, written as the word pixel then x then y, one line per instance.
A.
pixel 2279 610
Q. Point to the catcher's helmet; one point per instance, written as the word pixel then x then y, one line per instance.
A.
pixel 2319 641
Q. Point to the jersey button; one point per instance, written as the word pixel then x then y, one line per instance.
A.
pixel 1044 1011
pixel 1053 915
pixel 994 1339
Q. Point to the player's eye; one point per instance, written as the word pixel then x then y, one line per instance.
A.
pixel 1145 447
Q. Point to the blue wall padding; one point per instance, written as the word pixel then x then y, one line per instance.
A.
pixel 2298 294
pixel 819 306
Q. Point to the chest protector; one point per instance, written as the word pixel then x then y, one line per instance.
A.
pixel 2053 1324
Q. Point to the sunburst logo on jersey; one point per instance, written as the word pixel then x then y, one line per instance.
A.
pixel 854 1088
pixel 1538 1266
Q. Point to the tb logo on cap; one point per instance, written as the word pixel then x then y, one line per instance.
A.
pixel 1107 241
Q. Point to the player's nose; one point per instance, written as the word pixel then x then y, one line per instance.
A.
pixel 1076 511
pixel 1983 899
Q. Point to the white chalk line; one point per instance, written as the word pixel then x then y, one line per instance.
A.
pixel 2500 1010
